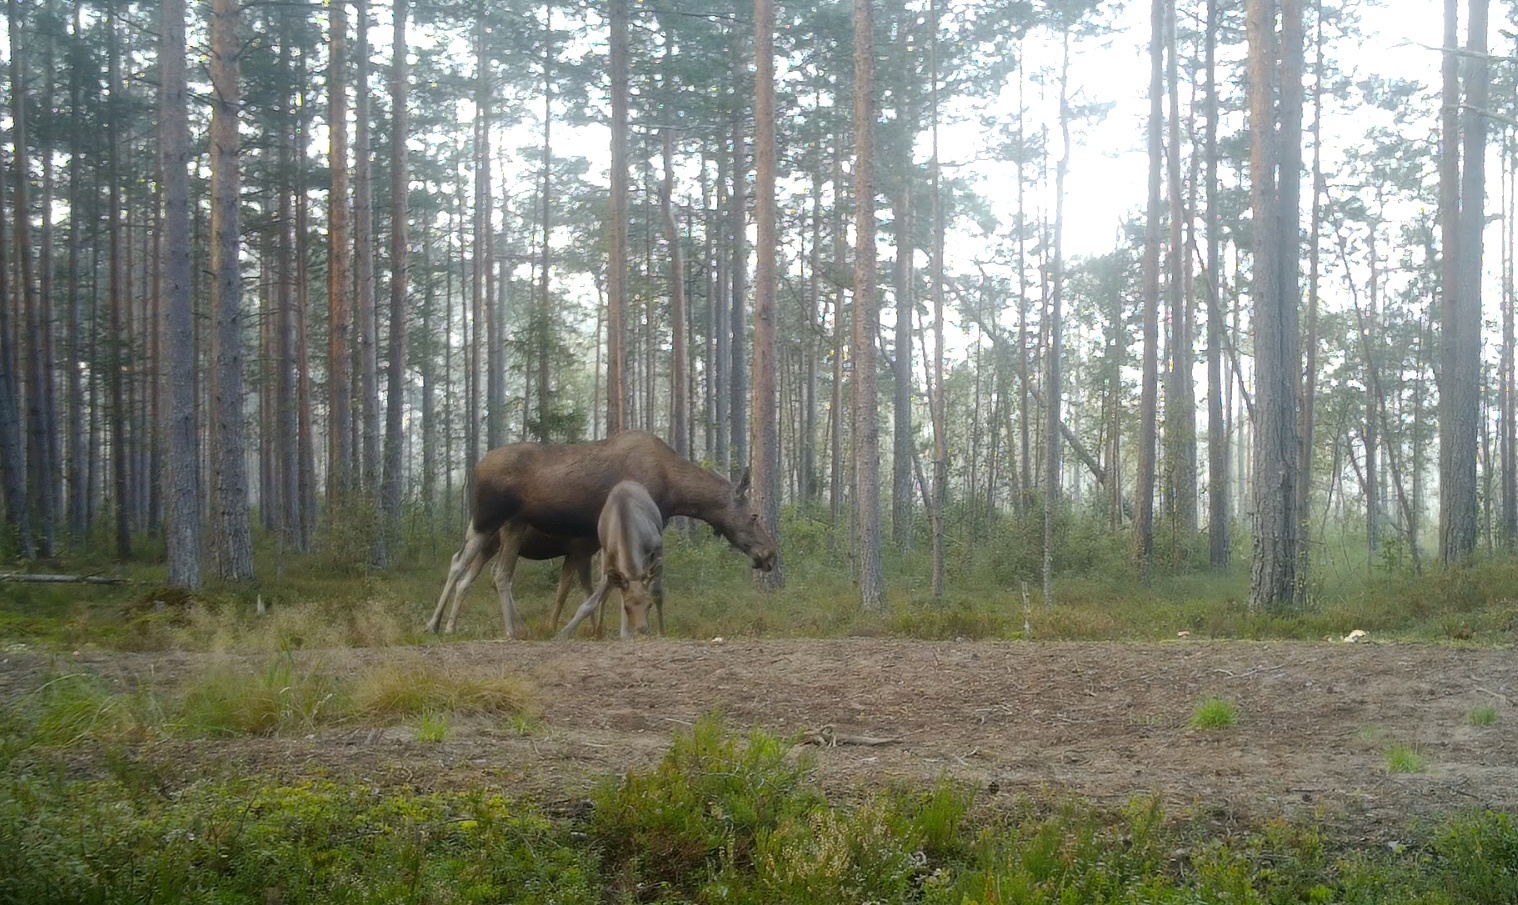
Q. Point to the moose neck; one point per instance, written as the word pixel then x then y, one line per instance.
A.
pixel 698 493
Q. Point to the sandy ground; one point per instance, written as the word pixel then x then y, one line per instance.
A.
pixel 1104 722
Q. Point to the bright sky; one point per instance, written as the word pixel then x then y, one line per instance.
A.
pixel 1109 164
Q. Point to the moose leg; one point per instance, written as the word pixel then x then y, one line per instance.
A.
pixel 659 602
pixel 505 570
pixel 575 567
pixel 490 544
pixel 586 608
pixel 465 566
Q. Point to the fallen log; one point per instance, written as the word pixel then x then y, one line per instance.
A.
pixel 62 579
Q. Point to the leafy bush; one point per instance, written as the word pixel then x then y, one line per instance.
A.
pixel 317 842
pixel 1478 858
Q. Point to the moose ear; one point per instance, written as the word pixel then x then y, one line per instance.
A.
pixel 741 492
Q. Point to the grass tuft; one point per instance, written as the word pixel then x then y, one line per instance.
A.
pixel 433 728
pixel 285 696
pixel 1403 758
pixel 406 689
pixel 1484 715
pixel 1214 713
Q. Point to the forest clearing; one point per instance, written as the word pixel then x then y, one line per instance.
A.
pixel 1094 547
pixel 1009 739
pixel 1100 722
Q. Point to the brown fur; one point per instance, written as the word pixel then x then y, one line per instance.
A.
pixel 528 544
pixel 632 539
pixel 560 490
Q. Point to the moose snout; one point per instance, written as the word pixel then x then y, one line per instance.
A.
pixel 765 561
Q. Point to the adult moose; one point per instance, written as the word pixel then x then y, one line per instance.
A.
pixel 560 490
pixel 632 540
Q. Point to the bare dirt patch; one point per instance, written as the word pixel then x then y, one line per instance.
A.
pixel 1102 722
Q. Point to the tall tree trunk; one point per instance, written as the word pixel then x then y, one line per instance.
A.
pixel 809 490
pixel 341 467
pixel 1143 520
pixel 1053 379
pixel 12 442
pixel 306 457
pixel 1507 391
pixel 1373 410
pixel 1275 163
pixel 1307 406
pixel 1217 434
pixel 679 400
pixel 46 273
pixel 1180 397
pixel 288 360
pixel 232 542
pixel 39 417
pixel 1460 339
pixel 483 354
pixel 120 292
pixel 76 453
pixel 545 303
pixel 940 412
pixel 392 485
pixel 363 256
pixel 739 385
pixel 616 268
pixel 1025 388
pixel 837 467
pixel 766 473
pixel 902 444
pixel 866 432
pixel 722 319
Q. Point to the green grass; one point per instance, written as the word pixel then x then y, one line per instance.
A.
pixel 1403 758
pixel 720 819
pixel 405 688
pixel 1484 715
pixel 330 598
pixel 1214 713
pixel 286 695
pixel 433 727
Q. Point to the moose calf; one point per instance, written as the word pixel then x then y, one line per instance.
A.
pixel 631 531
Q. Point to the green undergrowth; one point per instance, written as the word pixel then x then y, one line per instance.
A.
pixel 721 819
pixel 330 598
pixel 282 696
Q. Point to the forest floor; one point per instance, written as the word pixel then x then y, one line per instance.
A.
pixel 1098 722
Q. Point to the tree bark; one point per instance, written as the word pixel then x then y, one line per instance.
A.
pixel 766 468
pixel 76 452
pixel 1143 521
pixel 902 441
pixel 1218 551
pixel 119 342
pixel 392 485
pixel 866 432
pixel 1180 397
pixel 1275 163
pixel 679 400
pixel 616 267
pixel 739 382
pixel 341 477
pixel 1459 389
pixel 12 442
pixel 232 541
pixel 1307 406
pixel 1054 380
pixel 38 377
pixel 363 257
pixel 940 400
